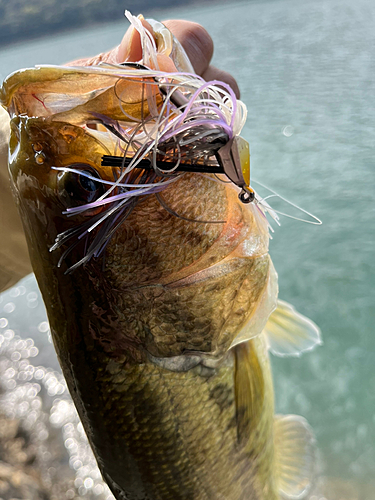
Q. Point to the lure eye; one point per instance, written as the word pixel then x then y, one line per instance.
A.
pixel 246 195
pixel 79 188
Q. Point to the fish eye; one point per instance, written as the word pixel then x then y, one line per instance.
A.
pixel 77 188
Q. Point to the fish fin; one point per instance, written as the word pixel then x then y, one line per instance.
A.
pixel 294 456
pixel 249 389
pixel 267 303
pixel 289 333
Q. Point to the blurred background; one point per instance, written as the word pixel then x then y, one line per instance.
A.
pixel 306 73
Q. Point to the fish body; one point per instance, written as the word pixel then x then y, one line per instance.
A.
pixel 174 435
pixel 159 333
pixel 158 431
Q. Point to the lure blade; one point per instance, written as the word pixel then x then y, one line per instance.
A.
pixel 234 158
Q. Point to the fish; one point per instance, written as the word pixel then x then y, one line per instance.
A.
pixel 155 273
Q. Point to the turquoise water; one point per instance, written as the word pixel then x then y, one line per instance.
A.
pixel 306 73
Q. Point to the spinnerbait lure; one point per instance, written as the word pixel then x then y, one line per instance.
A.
pixel 232 154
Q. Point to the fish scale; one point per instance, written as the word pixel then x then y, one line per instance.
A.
pixel 190 432
pixel 155 231
pixel 211 305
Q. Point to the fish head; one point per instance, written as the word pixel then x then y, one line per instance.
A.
pixel 37 147
pixel 179 271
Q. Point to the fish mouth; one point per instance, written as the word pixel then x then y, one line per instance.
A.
pixel 167 286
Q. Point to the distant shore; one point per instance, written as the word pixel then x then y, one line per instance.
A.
pixel 20 21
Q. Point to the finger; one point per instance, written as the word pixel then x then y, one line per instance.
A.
pixel 199 47
pixel 110 57
pixel 195 40
pixel 130 48
pixel 193 37
pixel 213 73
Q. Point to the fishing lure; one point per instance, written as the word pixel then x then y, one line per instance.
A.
pixel 231 152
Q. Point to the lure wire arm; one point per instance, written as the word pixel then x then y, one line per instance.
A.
pixel 120 161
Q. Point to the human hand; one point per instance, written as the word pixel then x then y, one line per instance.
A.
pixel 193 37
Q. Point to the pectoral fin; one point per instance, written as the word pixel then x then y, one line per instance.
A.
pixel 289 333
pixel 249 389
pixel 294 456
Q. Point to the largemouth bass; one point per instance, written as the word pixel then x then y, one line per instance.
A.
pixel 157 280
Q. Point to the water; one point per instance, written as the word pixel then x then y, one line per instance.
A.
pixel 306 73
pixel 33 391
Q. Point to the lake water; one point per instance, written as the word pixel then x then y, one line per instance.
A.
pixel 306 74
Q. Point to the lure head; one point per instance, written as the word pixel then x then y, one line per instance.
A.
pixel 234 158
